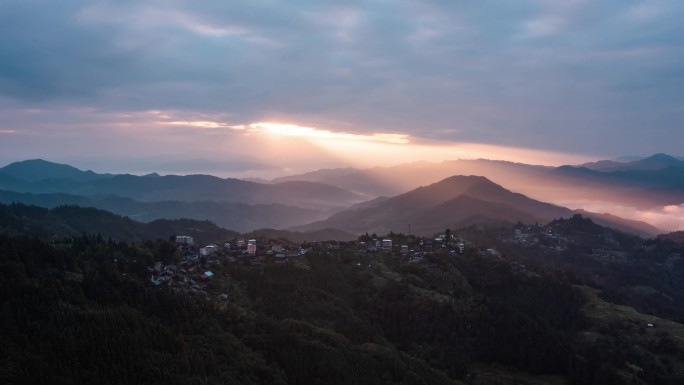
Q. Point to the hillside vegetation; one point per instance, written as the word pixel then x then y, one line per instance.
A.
pixel 80 309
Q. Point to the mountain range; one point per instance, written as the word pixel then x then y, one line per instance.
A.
pixel 361 200
pixel 652 163
pixel 41 177
pixel 646 183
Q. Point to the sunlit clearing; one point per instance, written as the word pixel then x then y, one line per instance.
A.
pixel 315 133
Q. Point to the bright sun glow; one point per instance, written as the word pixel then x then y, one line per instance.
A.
pixel 199 123
pixel 311 132
pixel 281 129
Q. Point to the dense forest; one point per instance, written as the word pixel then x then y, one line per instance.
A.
pixel 80 309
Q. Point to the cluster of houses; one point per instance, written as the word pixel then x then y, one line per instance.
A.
pixel 541 236
pixel 194 271
pixel 413 249
pixel 237 250
pixel 186 275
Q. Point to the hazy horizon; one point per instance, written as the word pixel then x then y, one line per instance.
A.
pixel 244 170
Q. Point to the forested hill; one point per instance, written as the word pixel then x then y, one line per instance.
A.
pixel 70 221
pixel 78 312
pixel 82 310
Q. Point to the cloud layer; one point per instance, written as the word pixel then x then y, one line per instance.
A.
pixel 600 78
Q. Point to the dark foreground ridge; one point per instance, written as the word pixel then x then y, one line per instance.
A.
pixel 570 302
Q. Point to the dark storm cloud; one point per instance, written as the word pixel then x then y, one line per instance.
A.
pixel 570 75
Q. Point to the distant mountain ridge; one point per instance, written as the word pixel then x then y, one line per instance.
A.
pixel 645 183
pixel 641 188
pixel 38 169
pixel 455 202
pixel 42 177
pixel 653 163
pixel 393 180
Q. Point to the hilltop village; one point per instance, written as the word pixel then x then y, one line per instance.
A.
pixel 575 244
pixel 194 265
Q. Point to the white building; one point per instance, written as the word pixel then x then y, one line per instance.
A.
pixel 387 244
pixel 185 239
pixel 251 247
pixel 207 250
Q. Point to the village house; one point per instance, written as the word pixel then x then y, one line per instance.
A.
pixel 251 247
pixel 185 240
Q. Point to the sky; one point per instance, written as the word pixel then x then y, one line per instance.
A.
pixel 265 88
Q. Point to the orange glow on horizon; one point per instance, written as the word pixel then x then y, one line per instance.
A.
pixel 384 149
pixel 380 148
